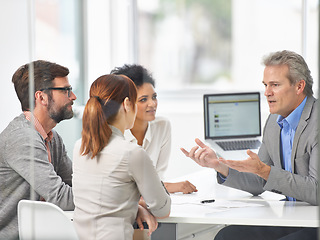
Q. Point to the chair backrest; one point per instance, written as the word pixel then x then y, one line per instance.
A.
pixel 43 221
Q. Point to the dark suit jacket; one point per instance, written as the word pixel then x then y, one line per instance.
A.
pixel 302 183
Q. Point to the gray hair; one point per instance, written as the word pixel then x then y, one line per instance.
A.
pixel 298 68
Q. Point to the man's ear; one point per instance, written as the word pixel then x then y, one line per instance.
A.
pixel 300 86
pixel 41 98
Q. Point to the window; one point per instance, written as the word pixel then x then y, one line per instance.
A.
pixel 58 39
pixel 220 43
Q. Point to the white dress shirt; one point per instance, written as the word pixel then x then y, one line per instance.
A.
pixel 157 143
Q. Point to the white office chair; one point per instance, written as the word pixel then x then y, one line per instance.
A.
pixel 43 221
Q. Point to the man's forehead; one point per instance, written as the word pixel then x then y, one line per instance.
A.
pixel 277 68
pixel 61 81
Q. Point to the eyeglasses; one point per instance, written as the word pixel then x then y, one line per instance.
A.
pixel 66 89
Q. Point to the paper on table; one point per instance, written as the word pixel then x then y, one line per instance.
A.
pixel 235 204
pixel 184 199
pixel 178 199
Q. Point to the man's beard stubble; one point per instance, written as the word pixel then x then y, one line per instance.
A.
pixel 60 114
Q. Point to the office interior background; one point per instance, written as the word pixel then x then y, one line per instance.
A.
pixel 192 47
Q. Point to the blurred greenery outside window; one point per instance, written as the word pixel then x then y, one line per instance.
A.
pixel 188 39
pixel 221 42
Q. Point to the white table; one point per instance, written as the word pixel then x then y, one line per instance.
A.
pixel 266 209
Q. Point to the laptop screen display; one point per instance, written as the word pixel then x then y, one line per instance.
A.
pixel 232 115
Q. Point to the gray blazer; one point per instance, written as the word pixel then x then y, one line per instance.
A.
pixel 302 184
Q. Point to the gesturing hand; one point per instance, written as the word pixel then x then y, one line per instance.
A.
pixel 252 164
pixel 206 157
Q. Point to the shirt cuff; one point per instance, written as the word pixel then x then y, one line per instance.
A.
pixel 222 178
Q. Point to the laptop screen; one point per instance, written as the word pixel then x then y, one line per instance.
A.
pixel 232 115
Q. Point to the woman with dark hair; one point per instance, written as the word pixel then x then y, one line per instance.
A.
pixel 110 174
pixel 151 132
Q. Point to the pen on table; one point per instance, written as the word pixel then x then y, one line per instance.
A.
pixel 208 201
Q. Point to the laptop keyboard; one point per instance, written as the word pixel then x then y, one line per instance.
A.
pixel 239 145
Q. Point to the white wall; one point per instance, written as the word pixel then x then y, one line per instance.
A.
pixel 14 52
pixel 264 26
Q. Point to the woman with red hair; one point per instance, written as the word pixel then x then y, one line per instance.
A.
pixel 110 174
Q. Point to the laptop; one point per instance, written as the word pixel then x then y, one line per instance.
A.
pixel 232 123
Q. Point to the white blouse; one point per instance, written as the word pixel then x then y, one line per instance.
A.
pixel 157 143
pixel 108 187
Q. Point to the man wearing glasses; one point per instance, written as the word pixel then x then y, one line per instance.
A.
pixel 30 138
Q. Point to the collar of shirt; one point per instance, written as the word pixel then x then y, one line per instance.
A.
pixel 116 131
pixel 147 138
pixel 37 125
pixel 293 118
